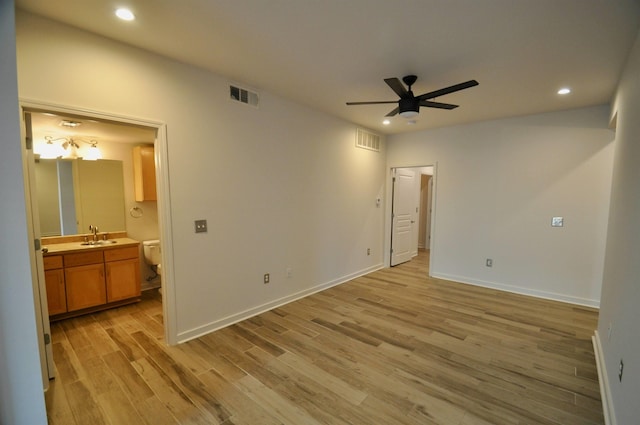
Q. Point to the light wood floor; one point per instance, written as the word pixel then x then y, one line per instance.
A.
pixel 393 347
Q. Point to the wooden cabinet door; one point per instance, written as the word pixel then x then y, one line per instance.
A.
pixel 123 279
pixel 85 286
pixel 56 294
pixel 144 173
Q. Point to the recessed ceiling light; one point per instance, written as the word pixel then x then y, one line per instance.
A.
pixel 125 14
pixel 386 122
pixel 69 123
pixel 564 90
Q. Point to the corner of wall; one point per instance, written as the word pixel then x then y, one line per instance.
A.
pixel 603 378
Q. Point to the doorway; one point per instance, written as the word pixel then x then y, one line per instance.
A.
pixel 411 213
pixel 115 136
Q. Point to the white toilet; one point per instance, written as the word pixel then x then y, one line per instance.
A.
pixel 152 256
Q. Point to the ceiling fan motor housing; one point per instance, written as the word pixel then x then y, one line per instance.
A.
pixel 408 104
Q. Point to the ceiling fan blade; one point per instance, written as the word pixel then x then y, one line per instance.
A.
pixel 430 104
pixel 396 86
pixel 448 90
pixel 372 103
pixel 392 113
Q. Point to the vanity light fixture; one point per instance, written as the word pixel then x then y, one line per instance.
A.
pixel 69 144
pixel 51 150
pixel 93 153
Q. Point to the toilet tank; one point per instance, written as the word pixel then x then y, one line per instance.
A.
pixel 152 253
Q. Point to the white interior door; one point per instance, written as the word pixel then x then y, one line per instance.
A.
pixel 403 216
pixel 37 265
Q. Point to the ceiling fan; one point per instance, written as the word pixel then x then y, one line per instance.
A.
pixel 408 104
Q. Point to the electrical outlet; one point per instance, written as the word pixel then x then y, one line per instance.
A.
pixel 489 262
pixel 368 251
pixel 266 278
pixel 620 370
pixel 201 226
pixel 289 272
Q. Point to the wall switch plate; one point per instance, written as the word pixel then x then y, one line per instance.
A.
pixel 557 221
pixel 489 262
pixel 201 226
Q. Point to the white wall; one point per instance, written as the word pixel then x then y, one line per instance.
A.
pixel 498 185
pixel 21 392
pixel 621 287
pixel 281 186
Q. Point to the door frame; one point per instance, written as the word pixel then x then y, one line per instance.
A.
pixel 163 202
pixel 388 213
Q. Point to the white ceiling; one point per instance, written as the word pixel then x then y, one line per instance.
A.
pixel 323 53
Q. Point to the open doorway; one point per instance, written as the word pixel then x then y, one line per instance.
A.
pixel 412 206
pixel 73 133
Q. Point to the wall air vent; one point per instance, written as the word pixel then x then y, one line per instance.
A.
pixel 367 140
pixel 242 95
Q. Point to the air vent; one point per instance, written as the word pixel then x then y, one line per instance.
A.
pixel 367 140
pixel 242 95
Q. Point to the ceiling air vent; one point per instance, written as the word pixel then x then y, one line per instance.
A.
pixel 243 95
pixel 367 140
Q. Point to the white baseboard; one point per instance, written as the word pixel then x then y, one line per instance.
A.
pixel 520 290
pixel 603 378
pixel 238 317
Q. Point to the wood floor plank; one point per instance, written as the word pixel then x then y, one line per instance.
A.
pixel 84 405
pixel 175 400
pixel 245 410
pixel 391 347
pixel 58 408
pixel 181 375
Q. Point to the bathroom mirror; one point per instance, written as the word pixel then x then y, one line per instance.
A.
pixel 74 193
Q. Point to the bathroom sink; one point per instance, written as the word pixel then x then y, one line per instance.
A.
pixel 98 243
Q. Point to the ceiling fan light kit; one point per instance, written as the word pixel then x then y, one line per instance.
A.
pixel 408 104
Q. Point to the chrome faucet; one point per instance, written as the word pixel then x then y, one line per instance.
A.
pixel 94 230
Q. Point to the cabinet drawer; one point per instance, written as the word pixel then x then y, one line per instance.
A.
pixel 121 253
pixel 53 262
pixel 83 258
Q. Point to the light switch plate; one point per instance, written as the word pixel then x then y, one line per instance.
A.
pixel 201 226
pixel 557 221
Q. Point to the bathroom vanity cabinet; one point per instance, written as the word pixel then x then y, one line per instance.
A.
pixel 91 279
pixel 54 279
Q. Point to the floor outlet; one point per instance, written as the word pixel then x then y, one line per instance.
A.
pixel 266 278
